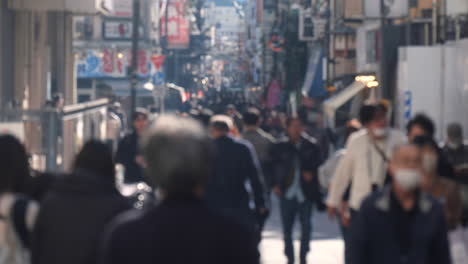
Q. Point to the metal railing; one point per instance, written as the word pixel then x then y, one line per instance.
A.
pixel 53 136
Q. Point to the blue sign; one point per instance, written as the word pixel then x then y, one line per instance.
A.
pixel 158 78
pixel 408 98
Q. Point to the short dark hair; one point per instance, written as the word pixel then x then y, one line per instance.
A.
pixel 14 163
pixel 367 113
pixel 140 112
pixel 221 123
pixel 424 122
pixel 291 119
pixel 251 117
pixel 96 157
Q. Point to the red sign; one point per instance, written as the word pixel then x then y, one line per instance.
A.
pixel 177 30
pixel 142 62
pixel 158 61
pixel 108 61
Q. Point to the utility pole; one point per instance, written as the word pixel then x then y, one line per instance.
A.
pixel 134 68
pixel 385 93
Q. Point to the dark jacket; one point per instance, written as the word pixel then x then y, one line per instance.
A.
pixel 263 144
pixel 235 163
pixel 72 219
pixel 126 155
pixel 377 236
pixel 284 155
pixel 178 232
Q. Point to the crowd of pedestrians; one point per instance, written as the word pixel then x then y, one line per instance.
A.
pixel 400 198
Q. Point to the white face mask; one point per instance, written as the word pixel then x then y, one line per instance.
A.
pixel 429 162
pixel 408 179
pixel 380 132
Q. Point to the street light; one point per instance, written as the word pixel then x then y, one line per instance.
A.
pixel 149 86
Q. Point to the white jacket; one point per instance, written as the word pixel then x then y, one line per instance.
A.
pixel 363 166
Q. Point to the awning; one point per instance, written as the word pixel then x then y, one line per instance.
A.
pixel 331 105
pixel 315 76
pixel 73 6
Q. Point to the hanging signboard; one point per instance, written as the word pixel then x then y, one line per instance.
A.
pixel 119 30
pixel 392 8
pixel 177 31
pixel 111 63
pixel 122 8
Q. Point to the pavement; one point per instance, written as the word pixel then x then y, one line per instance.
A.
pixel 326 246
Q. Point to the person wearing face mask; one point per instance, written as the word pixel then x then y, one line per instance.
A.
pixel 457 153
pixel 444 190
pixel 401 224
pixel 364 165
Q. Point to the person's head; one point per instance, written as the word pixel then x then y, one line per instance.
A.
pixel 294 128
pixel 57 100
pixel 454 136
pixel 252 118
pixel 96 157
pixel 420 125
pixel 220 126
pixel 231 110
pixel 140 121
pixel 374 118
pixel 405 168
pixel 430 157
pixel 178 154
pixel 14 165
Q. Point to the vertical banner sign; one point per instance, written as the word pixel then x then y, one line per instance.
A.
pixel 408 101
pixel 177 30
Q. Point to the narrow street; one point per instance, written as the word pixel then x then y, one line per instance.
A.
pixel 327 245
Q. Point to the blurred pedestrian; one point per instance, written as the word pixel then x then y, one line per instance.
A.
pixel 422 125
pixel 457 153
pixel 17 212
pixel 77 209
pixel 260 140
pixel 364 166
pixel 233 113
pixel 400 224
pixel 128 153
pixel 182 229
pixel 296 159
pixel 446 191
pixel 326 174
pixel 235 164
pixel 263 144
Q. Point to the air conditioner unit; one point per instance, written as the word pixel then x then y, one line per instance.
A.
pixel 311 28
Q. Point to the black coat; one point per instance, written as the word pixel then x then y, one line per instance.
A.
pixel 127 152
pixel 284 155
pixel 375 237
pixel 235 164
pixel 73 217
pixel 178 232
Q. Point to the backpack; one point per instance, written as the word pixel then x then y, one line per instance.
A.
pixel 14 234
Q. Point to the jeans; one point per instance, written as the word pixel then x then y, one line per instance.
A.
pixel 289 210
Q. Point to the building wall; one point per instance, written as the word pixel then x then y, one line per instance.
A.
pixel 353 8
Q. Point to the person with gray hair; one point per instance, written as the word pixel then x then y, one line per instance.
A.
pixel 182 228
pixel 401 224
